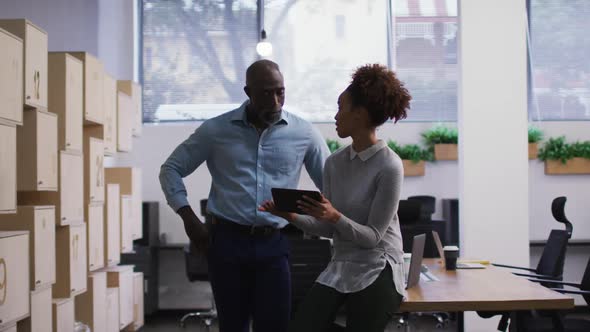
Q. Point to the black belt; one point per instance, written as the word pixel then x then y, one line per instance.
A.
pixel 243 229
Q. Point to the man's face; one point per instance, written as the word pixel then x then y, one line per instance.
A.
pixel 267 95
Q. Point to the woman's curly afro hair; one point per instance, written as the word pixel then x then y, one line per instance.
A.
pixel 378 89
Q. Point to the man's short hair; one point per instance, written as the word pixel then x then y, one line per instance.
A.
pixel 257 66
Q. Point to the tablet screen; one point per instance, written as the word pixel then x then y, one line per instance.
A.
pixel 286 199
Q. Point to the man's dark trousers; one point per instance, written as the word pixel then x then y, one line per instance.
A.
pixel 250 278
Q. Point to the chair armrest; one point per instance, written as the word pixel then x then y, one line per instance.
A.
pixel 569 291
pixel 537 276
pixel 514 267
pixel 555 282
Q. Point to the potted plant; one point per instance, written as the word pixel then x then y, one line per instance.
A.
pixel 535 136
pixel 413 157
pixel 561 157
pixel 333 145
pixel 442 141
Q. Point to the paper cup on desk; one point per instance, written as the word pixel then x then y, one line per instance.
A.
pixel 451 255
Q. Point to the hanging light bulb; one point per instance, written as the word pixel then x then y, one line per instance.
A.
pixel 264 47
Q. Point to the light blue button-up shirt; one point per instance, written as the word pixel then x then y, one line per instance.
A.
pixel 244 165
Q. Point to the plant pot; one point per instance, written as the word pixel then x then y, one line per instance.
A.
pixel 414 169
pixel 446 152
pixel 572 166
pixel 533 150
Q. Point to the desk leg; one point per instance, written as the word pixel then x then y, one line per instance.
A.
pixel 460 321
pixel 517 321
pixel 558 323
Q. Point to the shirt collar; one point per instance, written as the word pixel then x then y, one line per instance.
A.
pixel 367 153
pixel 240 115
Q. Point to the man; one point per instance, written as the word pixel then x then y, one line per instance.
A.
pixel 248 151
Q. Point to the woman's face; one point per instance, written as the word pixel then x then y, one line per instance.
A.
pixel 348 119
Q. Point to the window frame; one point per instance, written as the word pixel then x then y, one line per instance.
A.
pixel 390 56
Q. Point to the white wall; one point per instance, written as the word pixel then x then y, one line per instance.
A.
pixel 116 33
pixel 70 24
pixel 493 97
pixel 493 168
pixel 544 188
pixel 441 179
pixel 104 28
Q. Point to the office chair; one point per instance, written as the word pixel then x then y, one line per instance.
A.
pixel 409 211
pixel 560 322
pixel 292 232
pixel 427 207
pixel 415 217
pixel 558 212
pixel 308 258
pixel 197 270
pixel 550 266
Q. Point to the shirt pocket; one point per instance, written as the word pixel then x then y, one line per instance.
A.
pixel 280 161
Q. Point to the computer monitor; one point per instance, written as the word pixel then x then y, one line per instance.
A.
pixel 416 260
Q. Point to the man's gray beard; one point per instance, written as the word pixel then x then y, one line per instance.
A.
pixel 271 118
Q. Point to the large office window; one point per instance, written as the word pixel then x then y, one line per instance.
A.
pixel 195 53
pixel 318 44
pixel 559 59
pixel 425 47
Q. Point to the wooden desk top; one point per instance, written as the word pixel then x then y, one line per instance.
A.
pixel 492 288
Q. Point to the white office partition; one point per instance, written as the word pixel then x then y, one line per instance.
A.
pixel 493 165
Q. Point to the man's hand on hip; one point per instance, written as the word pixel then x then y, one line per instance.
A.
pixel 195 229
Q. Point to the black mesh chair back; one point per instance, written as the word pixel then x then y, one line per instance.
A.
pixel 203 206
pixel 585 284
pixel 308 258
pixel 197 268
pixel 196 265
pixel 428 206
pixel 561 321
pixel 292 232
pixel 409 211
pixel 558 211
pixel 553 257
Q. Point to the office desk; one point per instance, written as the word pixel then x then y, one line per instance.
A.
pixel 489 289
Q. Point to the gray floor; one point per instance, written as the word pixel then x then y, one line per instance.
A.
pixel 168 322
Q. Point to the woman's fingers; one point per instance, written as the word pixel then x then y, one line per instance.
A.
pixel 305 203
pixel 267 206
pixel 312 210
pixel 310 200
pixel 305 207
pixel 308 208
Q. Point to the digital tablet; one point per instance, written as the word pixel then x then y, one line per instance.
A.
pixel 286 199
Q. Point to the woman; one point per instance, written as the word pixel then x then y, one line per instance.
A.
pixel 358 210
